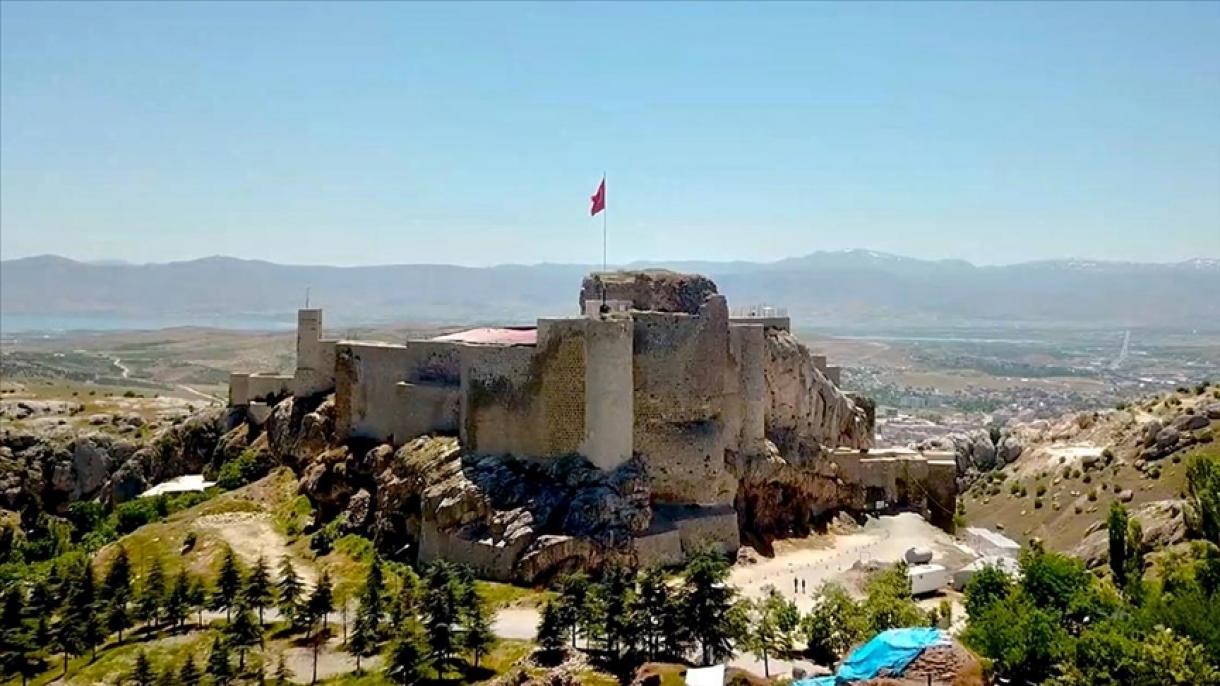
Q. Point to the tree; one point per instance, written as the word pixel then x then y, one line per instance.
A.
pixel 116 589
pixel 243 632
pixel 289 590
pixel 834 625
pixel 66 639
pixel 551 628
pixel 178 601
pixel 322 601
pixel 1135 550
pixel 1050 579
pixel 142 672
pixel 17 654
pixel 706 600
pixel 197 598
pixel 1203 495
pixel 888 603
pixel 647 612
pixel 440 612
pixel 189 675
pixel 81 608
pixel 257 594
pixel 573 601
pixel 363 640
pixel 152 595
pixel 372 600
pixel 614 598
pixel 408 657
pixel 988 585
pixel 1022 638
pixel 761 637
pixel 219 667
pixel 1116 524
pixel 479 637
pixel 228 585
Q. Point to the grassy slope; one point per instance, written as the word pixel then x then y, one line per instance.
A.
pixel 1063 529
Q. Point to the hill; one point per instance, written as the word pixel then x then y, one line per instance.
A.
pixel 852 288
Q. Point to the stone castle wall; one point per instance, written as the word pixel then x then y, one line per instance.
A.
pixel 394 393
pixel 315 372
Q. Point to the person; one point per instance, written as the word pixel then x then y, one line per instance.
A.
pixel 802 585
pixel 795 586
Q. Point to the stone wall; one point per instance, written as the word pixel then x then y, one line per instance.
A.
pixel 609 391
pixel 315 372
pixel 500 406
pixel 247 388
pixel 681 367
pixel 658 290
pixel 901 479
pixel 393 393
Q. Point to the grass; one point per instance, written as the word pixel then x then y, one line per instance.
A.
pixel 498 595
pixel 505 655
pixel 115 661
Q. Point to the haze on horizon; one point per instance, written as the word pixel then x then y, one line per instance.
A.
pixel 474 134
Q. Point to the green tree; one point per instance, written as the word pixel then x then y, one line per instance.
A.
pixel 440 614
pixel 178 600
pixel 408 658
pixel 613 598
pixel 1051 579
pixel 152 595
pixel 1023 640
pixel 363 640
pixel 243 632
pixel 551 629
pixel 66 639
pixel 142 672
pixel 650 604
pixel 322 601
pixel 764 635
pixel 197 598
pixel 1116 524
pixel 706 600
pixel 82 609
pixel 988 586
pixel 189 674
pixel 219 667
pixel 116 589
pixel 573 602
pixel 372 601
pixel 289 590
pixel 834 625
pixel 258 593
pixel 282 675
pixel 479 637
pixel 1203 495
pixel 228 585
pixel 888 603
pixel 1135 550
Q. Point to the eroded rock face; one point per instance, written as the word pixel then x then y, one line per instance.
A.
pixel 508 518
pixel 654 289
pixel 804 410
pixel 781 495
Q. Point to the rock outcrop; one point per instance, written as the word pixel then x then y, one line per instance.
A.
pixel 1162 523
pixel 659 290
pixel 804 410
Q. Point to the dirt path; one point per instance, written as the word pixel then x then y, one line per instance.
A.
pixel 252 534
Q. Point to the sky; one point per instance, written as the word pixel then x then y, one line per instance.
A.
pixel 475 133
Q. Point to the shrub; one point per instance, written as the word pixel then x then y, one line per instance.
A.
pixel 1093 495
pixel 1040 491
pixel 1037 503
pixel 1088 478
pixel 241 470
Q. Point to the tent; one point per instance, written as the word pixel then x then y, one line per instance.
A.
pixel 889 651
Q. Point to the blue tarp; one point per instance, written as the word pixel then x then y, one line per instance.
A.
pixel 890 650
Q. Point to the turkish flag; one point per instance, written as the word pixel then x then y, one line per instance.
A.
pixel 599 199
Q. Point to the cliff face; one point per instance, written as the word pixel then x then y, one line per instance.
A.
pixel 804 410
pixel 657 290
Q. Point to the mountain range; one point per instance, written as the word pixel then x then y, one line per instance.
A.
pixel 857 289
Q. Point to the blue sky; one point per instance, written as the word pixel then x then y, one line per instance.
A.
pixel 474 133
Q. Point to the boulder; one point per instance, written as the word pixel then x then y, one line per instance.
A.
pixel 917 556
pixel 1190 422
pixel 1213 411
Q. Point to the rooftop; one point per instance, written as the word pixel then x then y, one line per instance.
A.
pixel 493 336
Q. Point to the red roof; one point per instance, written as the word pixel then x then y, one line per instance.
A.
pixel 488 336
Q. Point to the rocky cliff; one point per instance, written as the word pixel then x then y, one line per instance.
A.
pixel 658 290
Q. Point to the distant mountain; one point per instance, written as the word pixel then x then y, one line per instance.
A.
pixel 857 288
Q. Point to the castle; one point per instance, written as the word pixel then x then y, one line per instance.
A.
pixel 654 370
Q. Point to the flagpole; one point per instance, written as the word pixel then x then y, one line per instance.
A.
pixel 605 211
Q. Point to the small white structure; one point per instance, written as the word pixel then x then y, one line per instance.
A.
pixel 705 676
pixel 990 543
pixel 187 483
pixel 927 579
pixel 1008 565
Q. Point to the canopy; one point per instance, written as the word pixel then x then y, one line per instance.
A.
pixel 890 650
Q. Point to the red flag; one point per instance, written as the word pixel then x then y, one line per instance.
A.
pixel 599 198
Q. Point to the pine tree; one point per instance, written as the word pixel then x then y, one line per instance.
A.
pixel 706 601
pixel 142 672
pixel 116 589
pixel 1116 523
pixel 178 601
pixel 243 632
pixel 322 601
pixel 18 654
pixel 257 594
pixel 408 657
pixel 66 639
pixel 289 591
pixel 440 611
pixel 372 598
pixel 479 637
pixel 616 597
pixel 648 610
pixel 152 595
pixel 42 602
pixel 573 602
pixel 197 598
pixel 363 639
pixel 551 629
pixel 189 674
pixel 219 667
pixel 168 677
pixel 228 585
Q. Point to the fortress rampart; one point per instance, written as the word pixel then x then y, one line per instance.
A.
pixel 661 377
